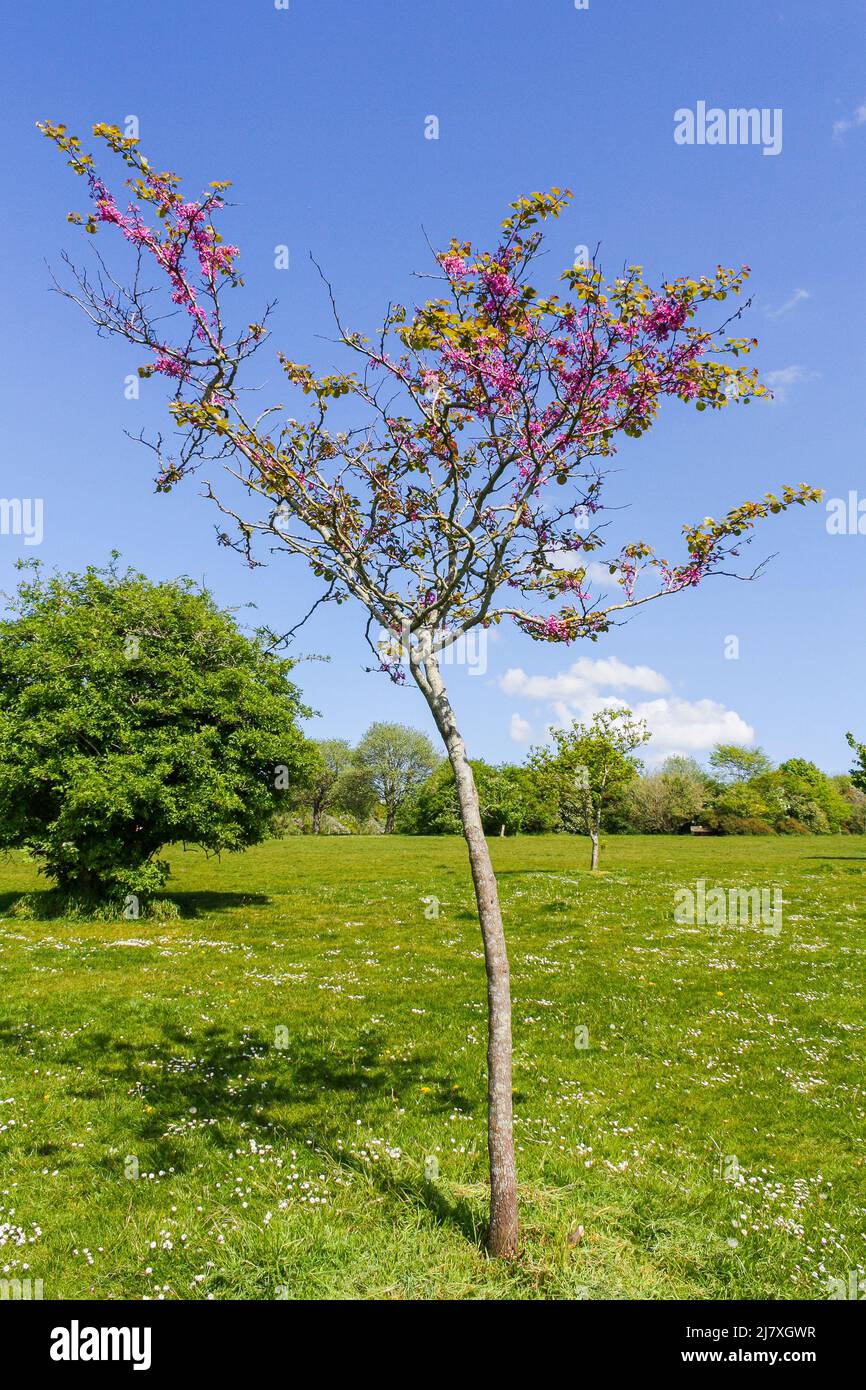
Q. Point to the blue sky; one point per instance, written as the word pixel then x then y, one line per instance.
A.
pixel 317 114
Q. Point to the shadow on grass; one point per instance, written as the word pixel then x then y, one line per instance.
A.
pixel 8 900
pixel 838 858
pixel 45 905
pixel 457 1212
pixel 192 905
pixel 534 873
pixel 224 1090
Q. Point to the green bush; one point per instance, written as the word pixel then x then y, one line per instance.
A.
pixel 727 824
pixel 513 798
pixel 133 715
pixel 788 826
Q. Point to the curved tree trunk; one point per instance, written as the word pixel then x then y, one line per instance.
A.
pixel 502 1234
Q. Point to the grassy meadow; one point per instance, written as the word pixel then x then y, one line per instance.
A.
pixel 281 1093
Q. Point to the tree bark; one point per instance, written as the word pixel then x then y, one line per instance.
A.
pixel 593 835
pixel 502 1232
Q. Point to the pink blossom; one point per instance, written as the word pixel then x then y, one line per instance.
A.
pixel 667 316
pixel 169 366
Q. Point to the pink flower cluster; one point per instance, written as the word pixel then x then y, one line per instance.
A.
pixel 169 366
pixel 499 285
pixel 684 576
pixel 667 316
pixel 555 627
pixel 490 369
pixel 189 222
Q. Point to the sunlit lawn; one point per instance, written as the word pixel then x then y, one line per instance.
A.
pixel 283 1065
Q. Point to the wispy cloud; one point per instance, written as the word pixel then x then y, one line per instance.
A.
pixel 521 729
pixel 847 123
pixel 796 298
pixel 784 377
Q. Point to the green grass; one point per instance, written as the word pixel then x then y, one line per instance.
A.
pixel 298 1170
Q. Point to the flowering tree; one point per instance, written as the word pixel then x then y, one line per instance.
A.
pixel 466 488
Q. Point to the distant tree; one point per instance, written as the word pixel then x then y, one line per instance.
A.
pixel 855 800
pixel 539 810
pixel 432 809
pixel 794 797
pixel 511 800
pixel 742 808
pixel 590 767
pixel 858 771
pixel 669 799
pixel 502 800
pixel 514 800
pixel 732 763
pixel 397 759
pixel 134 715
pixel 809 796
pixel 330 784
pixel 357 797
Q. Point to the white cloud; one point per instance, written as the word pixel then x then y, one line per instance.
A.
pixel 598 575
pixel 582 679
pixel 850 122
pixel 785 376
pixel 692 726
pixel 676 725
pixel 521 729
pixel 796 298
pixel 779 380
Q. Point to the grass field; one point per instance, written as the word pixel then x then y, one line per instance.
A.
pixel 288 1064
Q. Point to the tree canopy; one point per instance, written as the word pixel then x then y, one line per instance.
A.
pixel 133 715
pixel 666 801
pixel 731 762
pixel 512 800
pixel 591 766
pixel 397 759
pixel 330 783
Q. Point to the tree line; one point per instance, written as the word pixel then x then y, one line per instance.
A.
pixel 587 780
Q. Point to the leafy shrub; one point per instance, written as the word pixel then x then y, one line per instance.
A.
pixel 789 826
pixel 134 715
pixel 726 824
